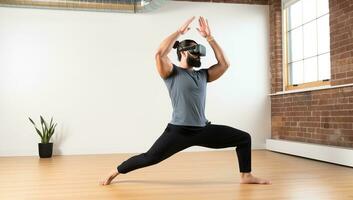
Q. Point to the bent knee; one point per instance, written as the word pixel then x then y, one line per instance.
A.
pixel 247 137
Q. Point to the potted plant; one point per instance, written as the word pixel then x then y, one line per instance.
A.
pixel 45 147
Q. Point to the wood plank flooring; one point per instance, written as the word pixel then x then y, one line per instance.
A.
pixel 205 175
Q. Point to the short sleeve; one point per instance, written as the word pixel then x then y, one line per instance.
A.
pixel 169 81
pixel 205 73
pixel 174 70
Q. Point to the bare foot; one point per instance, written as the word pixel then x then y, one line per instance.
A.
pixel 248 178
pixel 109 179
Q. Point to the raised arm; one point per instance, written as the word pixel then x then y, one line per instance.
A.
pixel 216 70
pixel 163 63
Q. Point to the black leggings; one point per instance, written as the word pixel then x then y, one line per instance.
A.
pixel 176 138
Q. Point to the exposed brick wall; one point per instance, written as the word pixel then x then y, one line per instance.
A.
pixel 324 116
pixel 276 45
pixel 341 24
pixel 258 2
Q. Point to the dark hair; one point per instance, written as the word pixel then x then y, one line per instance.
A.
pixel 179 45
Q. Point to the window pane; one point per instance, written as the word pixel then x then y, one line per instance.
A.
pixel 296 72
pixel 323 34
pixel 295 15
pixel 310 69
pixel 324 66
pixel 309 10
pixel 310 39
pixel 322 7
pixel 295 44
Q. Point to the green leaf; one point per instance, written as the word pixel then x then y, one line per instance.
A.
pixel 50 125
pixel 39 133
pixel 49 131
pixel 46 139
pixel 44 124
pixel 52 131
pixel 46 127
pixel 32 121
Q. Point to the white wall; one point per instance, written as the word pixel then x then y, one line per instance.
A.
pixel 94 72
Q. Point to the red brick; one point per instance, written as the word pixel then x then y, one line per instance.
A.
pixel 319 136
pixel 342 113
pixel 309 124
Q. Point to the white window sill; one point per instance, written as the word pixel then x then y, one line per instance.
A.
pixel 310 89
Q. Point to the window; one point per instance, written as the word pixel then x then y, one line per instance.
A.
pixel 306 36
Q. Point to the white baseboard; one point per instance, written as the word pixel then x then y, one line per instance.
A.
pixel 332 154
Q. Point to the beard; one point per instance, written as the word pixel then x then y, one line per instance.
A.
pixel 193 62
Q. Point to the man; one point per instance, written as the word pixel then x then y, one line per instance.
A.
pixel 187 90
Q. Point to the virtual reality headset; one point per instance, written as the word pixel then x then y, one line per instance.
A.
pixel 198 49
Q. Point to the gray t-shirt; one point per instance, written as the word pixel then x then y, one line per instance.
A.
pixel 187 91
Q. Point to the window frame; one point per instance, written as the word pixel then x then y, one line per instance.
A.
pixel 285 50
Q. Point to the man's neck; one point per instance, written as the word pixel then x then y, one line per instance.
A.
pixel 184 65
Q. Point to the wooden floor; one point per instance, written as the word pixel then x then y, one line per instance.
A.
pixel 186 175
